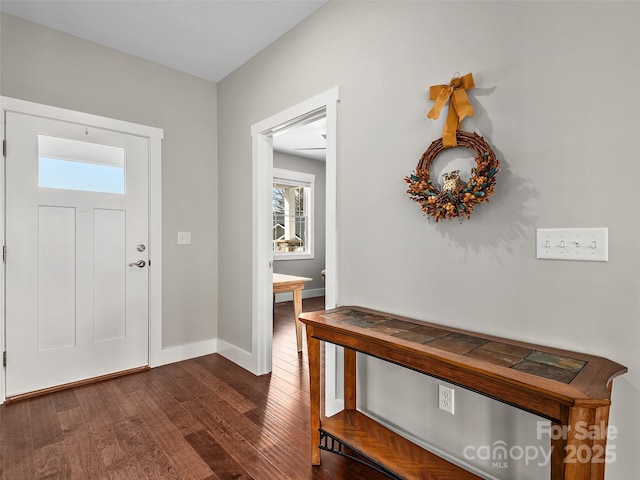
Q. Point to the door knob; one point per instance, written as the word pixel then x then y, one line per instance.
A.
pixel 139 264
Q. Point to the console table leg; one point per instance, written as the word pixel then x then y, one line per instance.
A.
pixel 349 379
pixel 600 443
pixel 558 449
pixel 579 451
pixel 313 352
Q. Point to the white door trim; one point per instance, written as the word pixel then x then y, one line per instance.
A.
pixel 259 359
pixel 154 136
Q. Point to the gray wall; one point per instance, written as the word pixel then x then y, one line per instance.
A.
pixel 45 66
pixel 542 70
pixel 310 268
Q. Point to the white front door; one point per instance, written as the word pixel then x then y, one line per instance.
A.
pixel 76 224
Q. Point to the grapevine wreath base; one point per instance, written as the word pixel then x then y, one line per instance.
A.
pixel 455 199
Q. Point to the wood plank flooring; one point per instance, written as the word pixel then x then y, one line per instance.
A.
pixel 203 418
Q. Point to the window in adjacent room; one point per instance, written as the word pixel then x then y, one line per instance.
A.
pixel 292 207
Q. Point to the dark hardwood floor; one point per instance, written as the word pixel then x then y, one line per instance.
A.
pixel 204 418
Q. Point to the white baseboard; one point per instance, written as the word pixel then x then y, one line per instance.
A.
pixel 184 352
pixel 288 296
pixel 238 356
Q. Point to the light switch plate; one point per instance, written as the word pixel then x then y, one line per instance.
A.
pixel 184 238
pixel 581 244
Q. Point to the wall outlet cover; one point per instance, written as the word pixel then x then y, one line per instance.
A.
pixel 446 399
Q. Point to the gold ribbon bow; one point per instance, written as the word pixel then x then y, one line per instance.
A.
pixel 459 107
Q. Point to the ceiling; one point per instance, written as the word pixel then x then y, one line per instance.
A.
pixel 205 38
pixel 304 140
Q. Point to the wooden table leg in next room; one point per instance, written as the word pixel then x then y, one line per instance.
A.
pixel 290 283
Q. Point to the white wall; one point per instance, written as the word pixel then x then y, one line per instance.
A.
pixel 556 99
pixel 311 267
pixel 49 67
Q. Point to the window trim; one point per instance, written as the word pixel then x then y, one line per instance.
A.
pixel 305 180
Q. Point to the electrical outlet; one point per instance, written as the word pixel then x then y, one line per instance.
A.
pixel 446 399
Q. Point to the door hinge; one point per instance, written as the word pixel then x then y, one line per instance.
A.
pixel 4 359
pixel 4 253
pixel 4 148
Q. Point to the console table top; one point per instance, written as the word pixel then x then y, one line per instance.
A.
pixel 573 375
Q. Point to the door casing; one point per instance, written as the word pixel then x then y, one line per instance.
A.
pixel 259 360
pixel 154 136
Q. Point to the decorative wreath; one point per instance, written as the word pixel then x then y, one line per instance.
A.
pixel 455 199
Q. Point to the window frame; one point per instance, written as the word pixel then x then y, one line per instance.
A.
pixel 306 180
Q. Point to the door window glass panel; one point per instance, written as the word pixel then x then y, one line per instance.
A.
pixel 74 165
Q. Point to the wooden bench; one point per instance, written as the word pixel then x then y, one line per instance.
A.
pixel 570 389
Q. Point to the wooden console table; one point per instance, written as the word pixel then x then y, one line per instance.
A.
pixel 291 283
pixel 570 389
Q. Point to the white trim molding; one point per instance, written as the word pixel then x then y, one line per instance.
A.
pixel 179 353
pixel 236 355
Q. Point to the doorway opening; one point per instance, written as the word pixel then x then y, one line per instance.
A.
pixel 321 106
